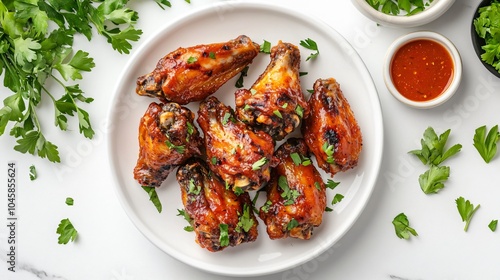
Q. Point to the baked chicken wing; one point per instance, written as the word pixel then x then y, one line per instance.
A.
pixel 191 74
pixel 296 195
pixel 167 138
pixel 219 217
pixel 275 102
pixel 331 131
pixel 241 157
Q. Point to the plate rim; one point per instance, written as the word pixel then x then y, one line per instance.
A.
pixel 199 12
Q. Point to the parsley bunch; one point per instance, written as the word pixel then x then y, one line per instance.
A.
pixel 32 54
pixel 395 7
pixel 487 27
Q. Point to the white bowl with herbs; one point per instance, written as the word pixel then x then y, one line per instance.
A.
pixel 402 13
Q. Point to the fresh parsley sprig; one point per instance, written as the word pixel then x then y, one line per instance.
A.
pixel 486 144
pixel 32 54
pixel 66 231
pixel 466 210
pixel 433 153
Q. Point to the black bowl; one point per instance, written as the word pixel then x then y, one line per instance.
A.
pixel 478 42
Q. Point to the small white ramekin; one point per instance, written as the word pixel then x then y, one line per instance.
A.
pixel 457 68
pixel 436 9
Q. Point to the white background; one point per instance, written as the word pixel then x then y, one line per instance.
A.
pixel 110 247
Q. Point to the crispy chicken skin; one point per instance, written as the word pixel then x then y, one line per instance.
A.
pixel 191 74
pixel 241 157
pixel 209 204
pixel 275 102
pixel 167 138
pixel 331 131
pixel 296 196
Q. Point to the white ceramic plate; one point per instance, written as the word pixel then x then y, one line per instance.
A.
pixel 260 22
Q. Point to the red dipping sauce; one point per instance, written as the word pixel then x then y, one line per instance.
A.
pixel 421 70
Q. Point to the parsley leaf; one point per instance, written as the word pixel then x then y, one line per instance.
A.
pixel 194 189
pixel 311 45
pixel 33 174
pixel 487 26
pixel 288 194
pixel 265 47
pixel 258 164
pixel 337 198
pixel 153 197
pixel 292 224
pixel 329 150
pixel 186 217
pixel 243 74
pixel 245 221
pixel 493 225
pixel 331 184
pixel 402 227
pixel 66 231
pixel 433 147
pixel 69 201
pixel 433 179
pixel 486 145
pixel 180 149
pixel 466 210
pixel 224 235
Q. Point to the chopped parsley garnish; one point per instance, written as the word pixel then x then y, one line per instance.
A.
pixel 331 184
pixel 292 224
pixel 265 207
pixel 317 185
pixel 224 235
pixel 192 59
pixel 213 160
pixel 394 7
pixel 328 209
pixel 180 149
pixel 265 47
pixel 153 197
pixel 328 149
pixel 193 188
pixel 33 174
pixel 288 194
pixel 69 201
pixel 238 191
pixel 300 159
pixel 226 117
pixel 278 114
pixel 493 225
pixel 211 55
pixel 186 217
pixel 243 74
pixel 300 111
pixel 66 231
pixel 258 164
pixel 402 227
pixel 311 45
pixel 337 198
pixel 245 220
pixel 487 26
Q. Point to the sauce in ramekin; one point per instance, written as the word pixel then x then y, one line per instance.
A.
pixel 422 69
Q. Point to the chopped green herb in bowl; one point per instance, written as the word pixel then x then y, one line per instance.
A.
pixel 485 32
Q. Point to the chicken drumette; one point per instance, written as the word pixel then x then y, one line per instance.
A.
pixel 193 73
pixel 241 157
pixel 275 102
pixel 219 217
pixel 167 138
pixel 296 196
pixel 331 131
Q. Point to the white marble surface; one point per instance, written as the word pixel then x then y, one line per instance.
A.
pixel 110 247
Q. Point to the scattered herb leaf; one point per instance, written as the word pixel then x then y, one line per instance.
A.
pixel 486 145
pixel 66 231
pixel 153 197
pixel 402 227
pixel 466 210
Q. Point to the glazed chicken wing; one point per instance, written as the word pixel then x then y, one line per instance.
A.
pixel 219 217
pixel 241 157
pixel 275 102
pixel 191 74
pixel 296 196
pixel 331 131
pixel 167 138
